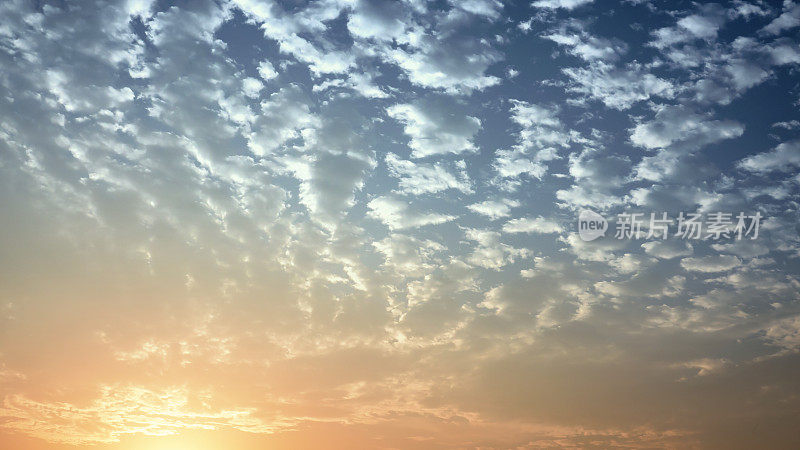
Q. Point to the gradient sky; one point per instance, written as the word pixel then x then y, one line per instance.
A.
pixel 255 224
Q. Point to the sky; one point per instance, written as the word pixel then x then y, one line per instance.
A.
pixel 257 224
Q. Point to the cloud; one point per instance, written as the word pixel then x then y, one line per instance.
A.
pixel 450 58
pixel 488 8
pixel 705 366
pixel 333 147
pixel 328 198
pixel 744 74
pixel 435 129
pixel 284 115
pixel 267 71
pixel 711 264
pixel 677 124
pixel 703 25
pixel 382 20
pixel 598 176
pixel 490 252
pixel 125 410
pixel 785 333
pixel 396 214
pixel 252 87
pixel 409 255
pixel 678 133
pixel 361 83
pixel 286 28
pixel 789 19
pixel 458 69
pixel 745 9
pixel 529 115
pixel 494 209
pixel 417 179
pixel 668 249
pixel 788 125
pixel 783 51
pixel 782 158
pixel 744 248
pixel 631 263
pixel 539 139
pixel 560 4
pixel 532 225
pixel 512 164
pixel 618 87
pixel 585 46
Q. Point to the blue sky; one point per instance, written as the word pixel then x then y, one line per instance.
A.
pixel 363 215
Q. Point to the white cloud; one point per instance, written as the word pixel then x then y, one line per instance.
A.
pixel 512 164
pixel 449 58
pixel 744 74
pixel 585 46
pixel 556 4
pixel 529 115
pixel 673 124
pixel 784 157
pixel 616 87
pixel 785 333
pixel 453 61
pixel 397 214
pixel 532 225
pixel 703 25
pixel 538 141
pixel 490 252
pixel 746 9
pixel 525 26
pixel 598 175
pixel 668 249
pixel 704 366
pixel 435 129
pixel 631 263
pixel 267 71
pixel 599 169
pixel 75 97
pixel 786 21
pixel 251 87
pixel 494 209
pixel 362 83
pixel 787 125
pixel 286 28
pixel 418 178
pixel 409 255
pixel 488 8
pixel 711 264
pixel 329 197
pixel 380 20
pixel 284 115
pixel 746 248
pixel 784 51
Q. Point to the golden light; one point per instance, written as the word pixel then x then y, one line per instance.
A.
pixel 176 442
